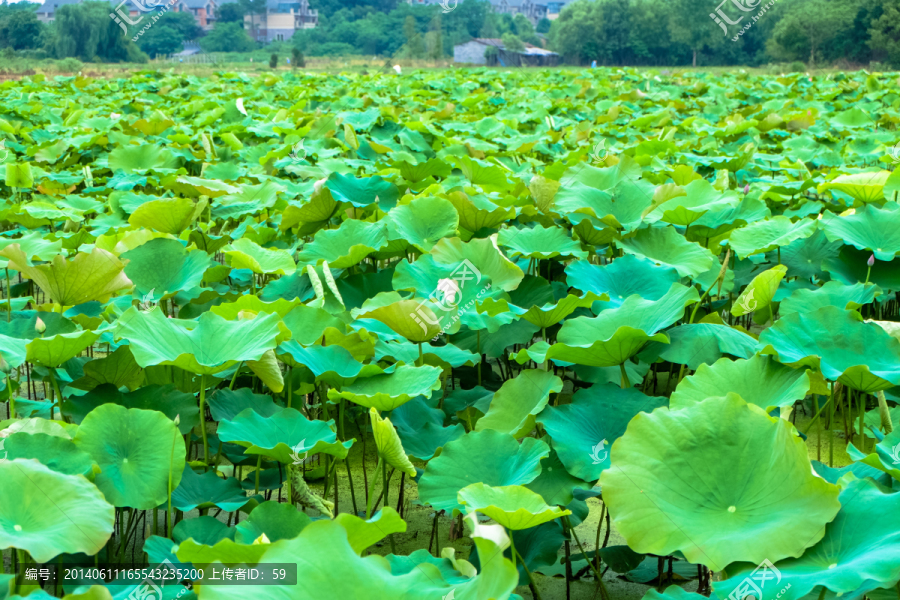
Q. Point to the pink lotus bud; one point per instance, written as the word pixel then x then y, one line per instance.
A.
pixel 747 189
pixel 871 260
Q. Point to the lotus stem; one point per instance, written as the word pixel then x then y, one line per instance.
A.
pixel 203 418
pixel 421 356
pixel 234 378
pixel 862 418
pixel 531 582
pixel 12 399
pixel 169 521
pixel 56 393
pixel 625 382
pixel 478 349
pixel 604 593
pixel 371 490
pixel 883 412
pixel 290 387
pixel 258 465
pixel 387 486
pixel 8 298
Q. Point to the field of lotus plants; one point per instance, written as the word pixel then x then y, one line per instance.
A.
pixel 462 334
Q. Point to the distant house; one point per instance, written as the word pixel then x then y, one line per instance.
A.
pixel 476 52
pixel 534 10
pixel 204 11
pixel 281 20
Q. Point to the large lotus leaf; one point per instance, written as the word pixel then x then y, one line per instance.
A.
pixel 34 245
pixel 489 457
pixel 362 191
pixel 623 277
pixel 142 158
pixel 390 390
pixel 665 246
pixel 804 257
pixel 410 318
pixel 87 277
pixel 205 347
pixel 307 324
pixel 616 195
pixel 763 236
pixel 57 453
pixel 700 343
pixel 225 550
pixel 206 490
pixel 518 400
pixel 332 568
pixel 409 353
pixel 583 430
pixel 281 434
pixel 833 293
pixel 268 370
pixel 161 266
pixel 388 444
pixel 757 499
pixel 839 344
pixel 549 314
pixel 139 453
pixel 540 243
pixel 164 398
pixel 674 592
pixel 475 259
pixel 345 246
pixel 203 529
pixel 760 293
pixel 513 506
pixel 118 369
pixel 873 421
pixel 248 304
pixel 55 350
pixel 850 266
pixel 422 222
pixel 783 385
pixel 860 549
pixel 363 533
pixel 49 513
pixel 247 254
pixel 865 187
pixel 421 428
pixel 698 198
pixel 277 521
pixel 869 228
pixel 616 334
pixel 226 404
pixel 331 364
pixel 167 215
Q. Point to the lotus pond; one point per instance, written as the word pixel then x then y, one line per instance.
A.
pixel 460 334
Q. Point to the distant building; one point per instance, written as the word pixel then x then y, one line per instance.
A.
pixel 204 11
pixel 535 10
pixel 476 52
pixel 281 20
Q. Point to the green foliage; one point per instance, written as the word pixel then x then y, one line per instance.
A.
pixel 273 61
pixel 20 30
pixel 227 37
pixel 85 31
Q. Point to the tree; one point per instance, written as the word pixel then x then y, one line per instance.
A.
pixel 576 33
pixel 523 28
pixel 182 22
pixel 297 59
pixel 160 40
pixel 690 25
pixel 415 46
pixel 273 61
pixel 254 8
pixel 512 43
pixel 86 32
pixel 232 12
pixel 885 33
pixel 227 37
pixel 434 42
pixel 20 30
pixel 543 26
pixel 808 26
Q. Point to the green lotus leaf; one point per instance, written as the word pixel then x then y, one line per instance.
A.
pixel 205 347
pixel 412 319
pixel 281 434
pixel 307 324
pixel 859 550
pixel 409 353
pixel 489 457
pixel 869 228
pixel 540 243
pixel 332 568
pixel 850 267
pixel 363 533
pixel 35 247
pixel 48 513
pixel 331 364
pixel 833 293
pixel 388 444
pixel 206 490
pixel 783 385
pixel 759 294
pixel 203 529
pixel 87 277
pixel 19 175
pixel 225 551
pixel 164 398
pixel 765 508
pixel 623 277
pixel 268 370
pixel 556 485
pixel 277 521
pixel 55 350
pixel 139 452
pixel 162 266
pixel 225 404
pixel 552 313
pixel 167 215
pixel 665 246
pixel 583 431
pixel 473 260
pixel 616 195
pixel 865 187
pixel 141 158
pixel 362 191
pixel 345 246
pixel 422 222
pixel 700 343
pixel 118 369
pixel 673 592
pixel 763 236
pixel 518 400
pixel 253 304
pixel 390 390
pixel 513 506
pixel 605 341
pixel 421 428
pixel 873 421
pixel 805 257
pixel 700 198
pixel 246 254
pixel 58 453
pixel 837 343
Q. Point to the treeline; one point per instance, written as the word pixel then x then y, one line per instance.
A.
pixel 613 32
